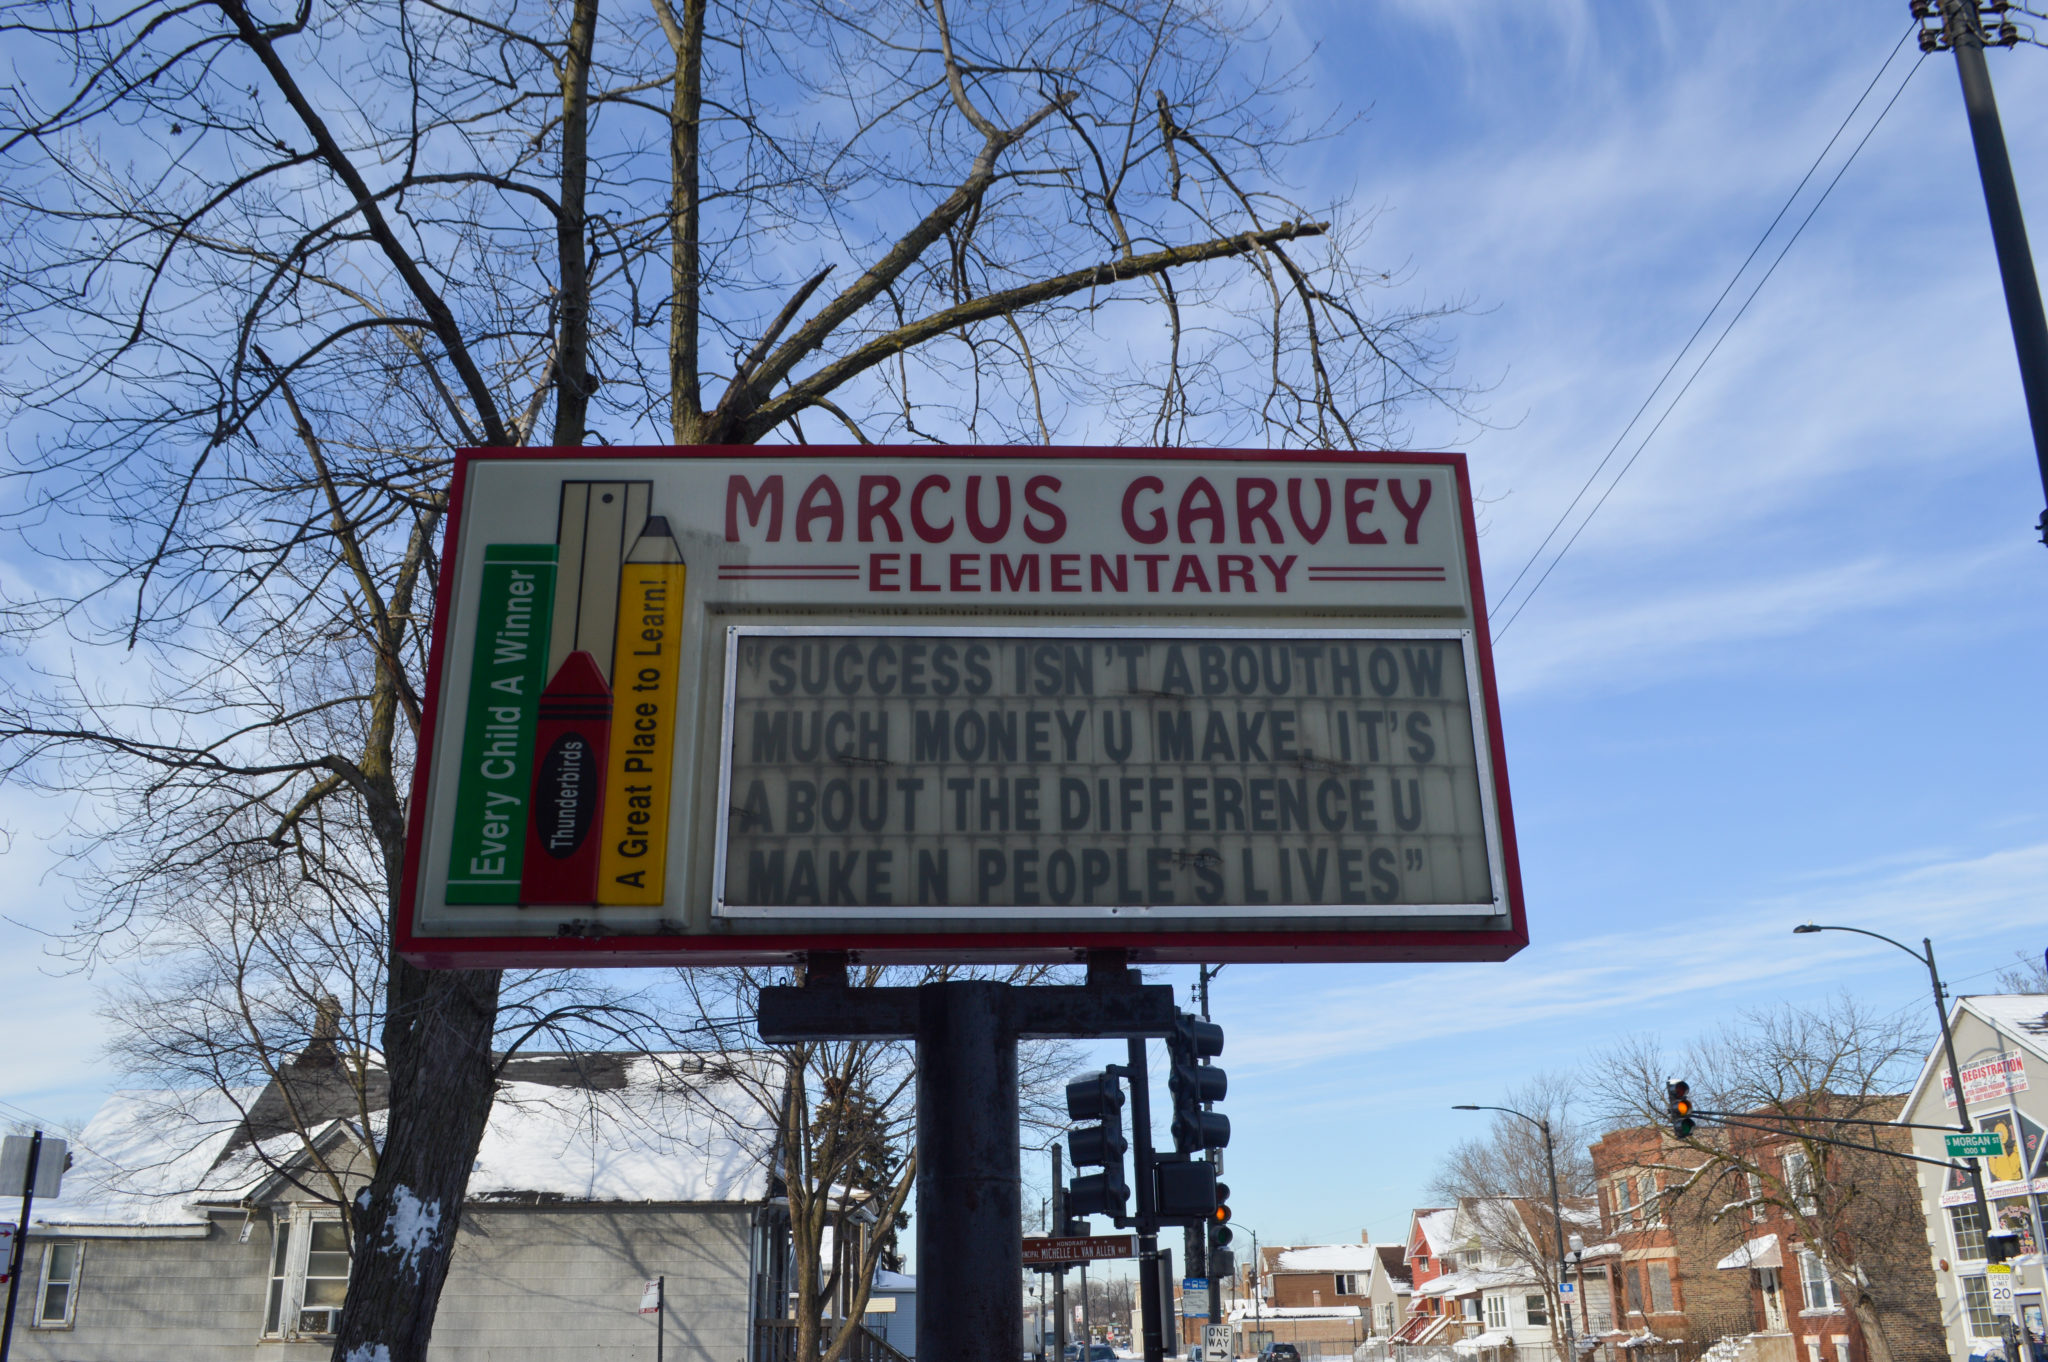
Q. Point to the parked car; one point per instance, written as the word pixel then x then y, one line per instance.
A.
pixel 1279 1352
pixel 1097 1352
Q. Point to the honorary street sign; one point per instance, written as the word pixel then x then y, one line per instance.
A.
pixel 1050 1251
pixel 719 705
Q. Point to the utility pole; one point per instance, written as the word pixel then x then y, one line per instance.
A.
pixel 1961 31
pixel 1203 974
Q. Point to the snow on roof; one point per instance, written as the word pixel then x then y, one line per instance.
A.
pixel 142 1157
pixel 885 1280
pixel 159 1159
pixel 1475 1279
pixel 2020 1014
pixel 1328 1258
pixel 1761 1251
pixel 651 1140
pixel 1240 1310
pixel 1436 1230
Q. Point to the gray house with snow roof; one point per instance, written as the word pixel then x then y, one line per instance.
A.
pixel 208 1226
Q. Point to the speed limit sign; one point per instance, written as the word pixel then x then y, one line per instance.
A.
pixel 1998 1280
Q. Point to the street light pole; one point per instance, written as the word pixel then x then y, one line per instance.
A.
pixel 1962 32
pixel 1948 1045
pixel 1556 1210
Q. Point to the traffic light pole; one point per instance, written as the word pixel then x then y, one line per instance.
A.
pixel 1963 33
pixel 970 1253
pixel 1150 1308
pixel 1204 973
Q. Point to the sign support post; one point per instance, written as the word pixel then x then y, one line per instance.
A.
pixel 19 1258
pixel 969 1179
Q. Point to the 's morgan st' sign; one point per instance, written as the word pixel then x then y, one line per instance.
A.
pixel 718 705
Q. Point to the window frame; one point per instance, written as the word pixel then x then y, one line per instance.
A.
pixel 1977 1314
pixel 1966 1233
pixel 1652 1271
pixel 1652 1204
pixel 1812 1270
pixel 291 1253
pixel 1535 1310
pixel 38 1318
pixel 1801 1188
pixel 1496 1311
pixel 1348 1283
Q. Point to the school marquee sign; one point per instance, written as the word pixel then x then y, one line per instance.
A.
pixel 728 704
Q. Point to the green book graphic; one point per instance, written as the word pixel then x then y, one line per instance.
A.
pixel 508 668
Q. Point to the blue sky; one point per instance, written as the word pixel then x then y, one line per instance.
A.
pixel 1790 670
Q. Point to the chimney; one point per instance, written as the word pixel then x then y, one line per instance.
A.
pixel 1365 1236
pixel 321 1050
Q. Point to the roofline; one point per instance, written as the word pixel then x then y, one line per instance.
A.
pixel 1937 1059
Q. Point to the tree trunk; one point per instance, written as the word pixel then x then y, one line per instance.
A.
pixel 437 1041
pixel 573 383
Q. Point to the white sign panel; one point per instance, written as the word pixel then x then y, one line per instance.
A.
pixel 723 705
pixel 1989 1080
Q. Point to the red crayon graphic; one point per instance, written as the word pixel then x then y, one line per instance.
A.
pixel 563 833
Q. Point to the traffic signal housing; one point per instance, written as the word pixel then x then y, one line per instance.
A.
pixel 1097 1098
pixel 1219 1219
pixel 1678 1107
pixel 1195 1084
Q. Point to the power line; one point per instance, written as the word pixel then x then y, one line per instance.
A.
pixel 1683 350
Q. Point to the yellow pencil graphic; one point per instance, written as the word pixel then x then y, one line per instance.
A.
pixel 641 762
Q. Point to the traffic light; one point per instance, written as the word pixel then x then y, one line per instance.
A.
pixel 1098 1098
pixel 1678 1107
pixel 1195 1084
pixel 1219 1219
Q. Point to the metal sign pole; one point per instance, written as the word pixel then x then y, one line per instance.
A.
pixel 969 1183
pixel 19 1258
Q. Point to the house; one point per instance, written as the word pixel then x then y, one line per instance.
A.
pixel 1428 1254
pixel 202 1224
pixel 1657 1286
pixel 1324 1298
pixel 1493 1297
pixel 2001 1045
pixel 1701 1257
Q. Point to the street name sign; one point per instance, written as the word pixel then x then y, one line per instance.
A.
pixel 1051 1251
pixel 1978 1144
pixel 730 705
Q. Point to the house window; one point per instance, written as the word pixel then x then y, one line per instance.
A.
pixel 1977 1304
pixel 1841 1348
pixel 1635 1290
pixel 1756 1198
pixel 1350 1283
pixel 58 1300
pixel 1799 1181
pixel 1624 1204
pixel 1966 1227
pixel 1496 1312
pixel 1653 1213
pixel 1660 1287
pixel 1819 1288
pixel 1537 1307
pixel 308 1277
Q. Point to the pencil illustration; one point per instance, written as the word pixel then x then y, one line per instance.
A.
pixel 570 740
pixel 639 770
pixel 599 522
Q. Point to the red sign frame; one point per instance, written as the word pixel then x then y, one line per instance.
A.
pixel 1197 945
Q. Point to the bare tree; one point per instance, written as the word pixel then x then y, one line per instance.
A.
pixel 1504 1176
pixel 1857 1210
pixel 2028 974
pixel 263 271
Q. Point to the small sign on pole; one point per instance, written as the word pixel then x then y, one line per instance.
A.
pixel 49 1166
pixel 1566 1289
pixel 1217 1342
pixel 650 1298
pixel 1998 1284
pixel 1977 1144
